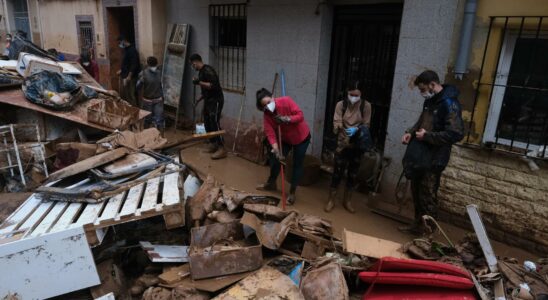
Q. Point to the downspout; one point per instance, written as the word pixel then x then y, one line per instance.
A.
pixel 465 43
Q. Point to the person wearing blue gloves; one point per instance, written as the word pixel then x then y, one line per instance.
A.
pixel 352 115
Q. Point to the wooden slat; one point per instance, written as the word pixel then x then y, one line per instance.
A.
pixel 150 196
pixel 20 215
pixel 90 213
pixel 50 220
pixel 132 201
pixel 112 208
pixel 171 188
pixel 67 218
pixel 37 216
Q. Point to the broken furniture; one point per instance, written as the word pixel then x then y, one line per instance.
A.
pixel 115 115
pixel 222 249
pixel 156 197
pixel 46 266
pixel 10 134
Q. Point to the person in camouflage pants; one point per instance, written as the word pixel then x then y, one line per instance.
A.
pixel 440 125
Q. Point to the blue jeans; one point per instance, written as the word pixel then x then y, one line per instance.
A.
pixel 157 113
pixel 299 153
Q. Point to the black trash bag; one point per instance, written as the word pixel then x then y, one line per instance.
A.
pixel 417 159
pixel 19 44
pixel 362 139
pixel 36 86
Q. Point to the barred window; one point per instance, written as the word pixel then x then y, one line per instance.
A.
pixel 513 86
pixel 228 44
pixel 86 41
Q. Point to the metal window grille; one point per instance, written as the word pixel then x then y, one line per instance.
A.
pixel 85 28
pixel 228 44
pixel 510 107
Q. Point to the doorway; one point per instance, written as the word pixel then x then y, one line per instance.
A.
pixel 364 46
pixel 120 21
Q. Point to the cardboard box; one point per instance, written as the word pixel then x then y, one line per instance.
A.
pixel 222 249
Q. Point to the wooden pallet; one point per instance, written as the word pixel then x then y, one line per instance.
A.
pixel 159 196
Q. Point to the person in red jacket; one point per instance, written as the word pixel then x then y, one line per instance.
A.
pixel 90 65
pixel 284 113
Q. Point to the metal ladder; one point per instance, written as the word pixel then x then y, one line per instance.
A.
pixel 10 130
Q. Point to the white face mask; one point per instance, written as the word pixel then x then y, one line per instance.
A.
pixel 427 95
pixel 271 106
pixel 121 45
pixel 153 69
pixel 353 99
pixel 85 64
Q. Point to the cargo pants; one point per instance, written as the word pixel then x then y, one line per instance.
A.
pixel 424 189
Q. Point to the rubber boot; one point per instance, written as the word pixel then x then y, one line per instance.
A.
pixel 267 186
pixel 212 148
pixel 291 198
pixel 347 201
pixel 220 153
pixel 330 200
pixel 163 132
pixel 413 228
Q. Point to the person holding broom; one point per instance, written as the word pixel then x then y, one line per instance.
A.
pixel 283 115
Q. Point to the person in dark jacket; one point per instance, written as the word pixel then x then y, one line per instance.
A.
pixel 212 95
pixel 440 126
pixel 150 79
pixel 129 71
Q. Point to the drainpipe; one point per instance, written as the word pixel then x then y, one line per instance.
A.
pixel 465 43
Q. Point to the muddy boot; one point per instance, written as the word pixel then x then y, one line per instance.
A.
pixel 220 153
pixel 291 198
pixel 331 200
pixel 413 228
pixel 347 201
pixel 267 186
pixel 163 132
pixel 212 148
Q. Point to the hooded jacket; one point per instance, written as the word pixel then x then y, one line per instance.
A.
pixel 441 117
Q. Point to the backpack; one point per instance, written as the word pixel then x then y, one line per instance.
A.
pixel 417 159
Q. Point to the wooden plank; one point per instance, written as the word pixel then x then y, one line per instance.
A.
pixel 171 194
pixel 54 264
pixel 370 246
pixel 37 216
pixel 77 114
pixel 132 201
pixel 20 214
pixel 112 208
pixel 483 239
pixel 150 196
pixel 88 163
pixel 90 213
pixel 67 219
pixel 50 220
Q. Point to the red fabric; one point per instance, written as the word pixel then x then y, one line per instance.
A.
pixel 293 133
pixel 422 279
pixel 418 293
pixel 92 69
pixel 393 264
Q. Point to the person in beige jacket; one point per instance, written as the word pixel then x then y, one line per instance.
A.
pixel 351 115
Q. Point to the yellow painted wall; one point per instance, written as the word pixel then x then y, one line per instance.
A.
pixel 487 9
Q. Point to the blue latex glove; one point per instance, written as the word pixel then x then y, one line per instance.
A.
pixel 351 131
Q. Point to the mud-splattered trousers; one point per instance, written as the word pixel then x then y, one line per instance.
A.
pixel 425 194
pixel 349 160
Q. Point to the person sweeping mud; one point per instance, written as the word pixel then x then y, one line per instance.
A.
pixel 429 143
pixel 212 95
pixel 283 112
pixel 351 125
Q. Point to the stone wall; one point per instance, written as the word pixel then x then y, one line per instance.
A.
pixel 513 200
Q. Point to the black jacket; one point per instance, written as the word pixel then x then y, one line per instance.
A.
pixel 215 93
pixel 130 62
pixel 441 117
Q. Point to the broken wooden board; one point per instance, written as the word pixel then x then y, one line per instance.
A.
pixel 36 217
pixel 77 114
pixel 483 239
pixel 175 274
pixel 88 163
pixel 165 253
pixel 32 263
pixel 370 246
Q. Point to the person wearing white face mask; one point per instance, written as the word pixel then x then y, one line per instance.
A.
pixel 89 64
pixel 283 114
pixel 351 119
pixel 129 71
pixel 150 79
pixel 429 141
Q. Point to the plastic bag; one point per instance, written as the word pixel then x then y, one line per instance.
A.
pixel 55 90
